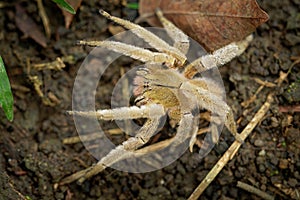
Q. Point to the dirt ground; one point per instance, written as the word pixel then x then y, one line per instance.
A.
pixel 33 157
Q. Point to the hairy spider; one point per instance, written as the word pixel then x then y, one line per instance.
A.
pixel 167 85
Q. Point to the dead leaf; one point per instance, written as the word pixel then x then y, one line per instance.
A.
pixel 212 23
pixel 29 27
pixel 68 16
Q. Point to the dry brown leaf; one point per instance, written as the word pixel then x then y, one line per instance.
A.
pixel 68 16
pixel 212 23
pixel 29 27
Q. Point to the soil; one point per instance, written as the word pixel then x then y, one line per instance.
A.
pixel 32 154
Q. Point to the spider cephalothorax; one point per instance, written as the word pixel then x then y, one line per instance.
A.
pixel 167 85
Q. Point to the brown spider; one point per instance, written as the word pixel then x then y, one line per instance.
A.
pixel 167 85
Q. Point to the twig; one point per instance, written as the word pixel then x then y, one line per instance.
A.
pixel 90 137
pixel 44 18
pixel 293 108
pixel 232 150
pixel 8 181
pixel 80 175
pixel 236 145
pixel 254 190
pixel 58 65
pixel 263 84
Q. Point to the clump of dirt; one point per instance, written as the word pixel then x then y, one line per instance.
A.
pixel 33 157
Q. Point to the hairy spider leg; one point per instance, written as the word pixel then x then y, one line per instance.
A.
pixel 217 58
pixel 149 37
pixel 181 40
pixel 215 104
pixel 122 113
pixel 137 53
pixel 121 152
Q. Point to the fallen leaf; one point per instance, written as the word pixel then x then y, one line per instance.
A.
pixel 68 16
pixel 212 23
pixel 29 27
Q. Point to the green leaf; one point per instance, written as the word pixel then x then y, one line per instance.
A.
pixel 63 4
pixel 6 97
pixel 133 5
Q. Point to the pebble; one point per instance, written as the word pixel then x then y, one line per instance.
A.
pixel 292 182
pixel 283 164
pixel 160 191
pixel 262 168
pixel 259 143
pixel 260 160
pixel 262 153
pixel 263 187
pixel 273 159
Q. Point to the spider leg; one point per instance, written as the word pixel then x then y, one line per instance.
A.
pixel 217 58
pixel 149 37
pixel 133 112
pixel 188 124
pixel 181 40
pixel 215 104
pixel 121 152
pixel 138 53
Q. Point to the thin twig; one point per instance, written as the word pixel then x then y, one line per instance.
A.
pixel 90 137
pixel 44 18
pixel 154 147
pixel 293 108
pixel 58 65
pixel 236 145
pixel 233 149
pixel 254 190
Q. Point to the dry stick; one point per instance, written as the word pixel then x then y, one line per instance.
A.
pixel 236 145
pixel 254 190
pixel 263 84
pixel 44 18
pixel 90 136
pixel 145 150
pixel 58 65
pixel 293 108
pixel 233 149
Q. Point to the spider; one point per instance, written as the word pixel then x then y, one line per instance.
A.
pixel 166 86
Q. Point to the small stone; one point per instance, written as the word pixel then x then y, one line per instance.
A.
pixel 275 122
pixel 181 169
pixel 262 153
pixel 273 159
pixel 260 160
pixel 276 179
pixel 261 168
pixel 263 187
pixel 291 39
pixel 292 182
pixel 283 164
pixel 259 143
pixel 160 191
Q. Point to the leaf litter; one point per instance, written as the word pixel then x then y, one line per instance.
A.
pixel 30 29
pixel 212 23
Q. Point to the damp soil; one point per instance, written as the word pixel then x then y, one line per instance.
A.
pixel 33 156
